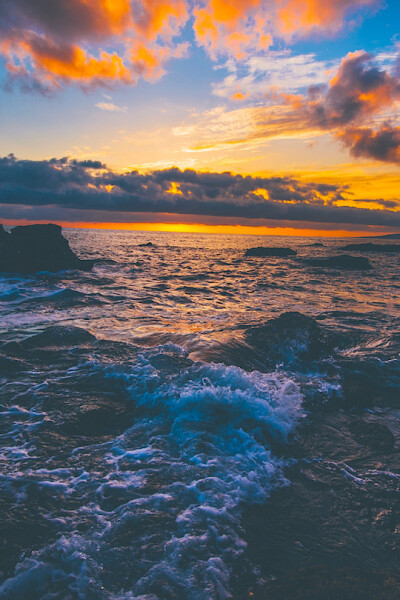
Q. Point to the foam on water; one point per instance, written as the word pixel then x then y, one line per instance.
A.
pixel 166 500
pixel 128 466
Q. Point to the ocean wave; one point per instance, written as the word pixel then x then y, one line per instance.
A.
pixel 167 500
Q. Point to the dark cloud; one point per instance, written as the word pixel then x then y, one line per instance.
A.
pixel 383 144
pixel 90 187
pixel 349 105
pixel 358 90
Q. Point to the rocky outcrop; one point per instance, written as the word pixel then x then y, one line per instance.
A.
pixel 343 261
pixel 316 245
pixel 34 248
pixel 373 247
pixel 289 338
pixel 263 252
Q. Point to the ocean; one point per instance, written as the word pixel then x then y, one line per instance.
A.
pixel 166 434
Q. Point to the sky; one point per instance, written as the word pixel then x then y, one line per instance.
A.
pixel 237 116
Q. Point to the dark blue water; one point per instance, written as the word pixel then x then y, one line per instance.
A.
pixel 139 419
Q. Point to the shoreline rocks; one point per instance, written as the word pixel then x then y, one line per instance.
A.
pixel 35 248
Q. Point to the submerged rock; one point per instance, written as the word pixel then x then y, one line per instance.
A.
pixel 261 252
pixel 57 336
pixel 34 248
pixel 343 261
pixel 147 244
pixel 375 435
pixel 289 338
pixel 373 247
pixel 316 245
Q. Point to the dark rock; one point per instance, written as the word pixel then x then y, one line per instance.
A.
pixel 316 245
pixel 262 252
pixel 58 336
pixel 145 245
pixel 290 337
pixel 34 248
pixel 4 235
pixel 373 247
pixel 95 419
pixel 375 435
pixel 343 261
pixel 359 387
pixel 389 236
pixel 308 534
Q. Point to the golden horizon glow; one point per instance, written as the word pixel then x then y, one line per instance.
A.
pixel 208 229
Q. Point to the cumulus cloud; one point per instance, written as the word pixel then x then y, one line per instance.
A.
pixel 92 42
pixel 351 103
pixel 88 186
pixel 358 91
pixel 49 43
pixel 382 145
pixel 239 27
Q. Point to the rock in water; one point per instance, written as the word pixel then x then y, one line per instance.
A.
pixel 3 235
pixel 373 247
pixel 57 336
pixel 34 248
pixel 261 252
pixel 289 338
pixel 372 434
pixel 343 261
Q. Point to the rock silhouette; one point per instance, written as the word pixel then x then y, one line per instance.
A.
pixel 373 247
pixel 34 248
pixel 261 252
pixel 343 261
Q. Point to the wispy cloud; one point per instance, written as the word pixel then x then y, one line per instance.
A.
pixel 261 76
pixel 358 106
pixel 111 107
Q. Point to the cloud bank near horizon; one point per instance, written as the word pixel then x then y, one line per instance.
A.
pixel 27 188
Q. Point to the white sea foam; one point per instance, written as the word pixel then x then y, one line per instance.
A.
pixel 199 450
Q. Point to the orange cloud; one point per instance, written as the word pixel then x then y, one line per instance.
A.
pixel 71 62
pixel 160 18
pixel 302 16
pixel 236 27
pixel 103 41
pixel 232 26
pixel 90 41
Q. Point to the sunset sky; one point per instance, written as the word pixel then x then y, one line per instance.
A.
pixel 255 116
